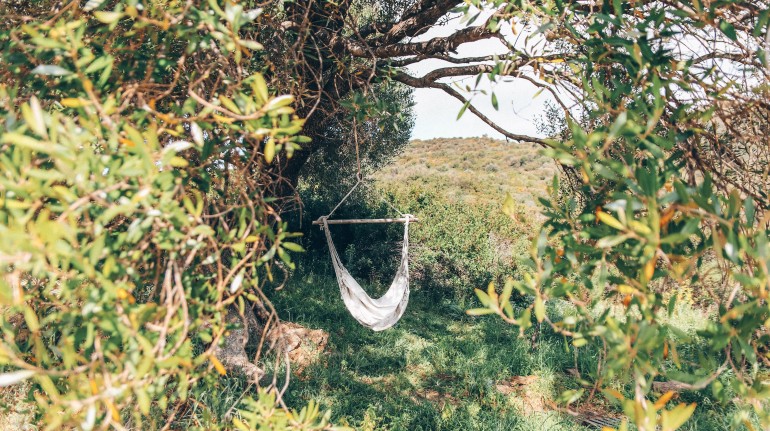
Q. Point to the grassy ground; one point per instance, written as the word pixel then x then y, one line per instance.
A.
pixel 439 369
pixel 436 370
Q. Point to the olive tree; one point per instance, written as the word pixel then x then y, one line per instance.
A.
pixel 138 211
pixel 667 110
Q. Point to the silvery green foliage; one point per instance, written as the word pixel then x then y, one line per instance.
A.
pixel 671 162
pixel 134 207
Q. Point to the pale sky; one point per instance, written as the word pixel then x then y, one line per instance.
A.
pixel 436 112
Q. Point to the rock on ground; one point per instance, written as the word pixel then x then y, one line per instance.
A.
pixel 304 345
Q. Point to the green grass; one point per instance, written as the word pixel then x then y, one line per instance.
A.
pixel 438 368
pixel 435 370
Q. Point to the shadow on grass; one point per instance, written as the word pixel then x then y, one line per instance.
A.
pixel 435 370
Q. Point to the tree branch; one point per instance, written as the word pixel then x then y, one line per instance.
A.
pixel 416 20
pixel 422 83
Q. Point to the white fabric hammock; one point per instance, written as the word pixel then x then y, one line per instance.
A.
pixel 380 313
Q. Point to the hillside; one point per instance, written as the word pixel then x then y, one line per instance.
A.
pixel 473 170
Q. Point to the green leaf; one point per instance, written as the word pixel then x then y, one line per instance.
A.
pixel 728 29
pixel 229 104
pixel 479 311
pixel 639 228
pixel 570 396
pixel 618 125
pixel 259 87
pixel 25 142
pixel 178 162
pixel 292 247
pixel 251 44
pixel 717 389
pixel 269 150
pixel 509 206
pixel 108 17
pixel 610 220
pixel 525 320
pixel 505 296
pixel 462 110
pixel 143 400
pixel 672 305
pixel 750 209
pixel 204 336
pixel 611 241
pixel 100 63
pixel 33 116
pixel 483 297
pixel 279 102
pixel 675 418
pixel 539 309
pixel 240 425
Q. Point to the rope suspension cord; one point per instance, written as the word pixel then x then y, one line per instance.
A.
pixel 343 199
pixel 360 180
pixel 358 155
pixel 359 177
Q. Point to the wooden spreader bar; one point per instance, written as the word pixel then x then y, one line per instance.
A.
pixel 368 220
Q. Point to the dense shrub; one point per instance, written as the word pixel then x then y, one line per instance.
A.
pixel 668 170
pixel 135 209
pixel 455 247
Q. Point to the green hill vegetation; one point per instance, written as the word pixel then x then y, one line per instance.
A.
pixel 473 170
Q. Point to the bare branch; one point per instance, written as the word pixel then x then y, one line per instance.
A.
pixel 422 83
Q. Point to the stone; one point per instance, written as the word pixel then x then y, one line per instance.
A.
pixel 304 345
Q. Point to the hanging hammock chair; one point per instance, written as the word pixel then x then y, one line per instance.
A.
pixel 375 313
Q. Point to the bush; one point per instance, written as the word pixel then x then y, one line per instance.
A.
pixel 133 211
pixel 668 178
pixel 455 246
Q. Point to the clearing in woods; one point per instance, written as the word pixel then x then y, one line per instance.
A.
pixel 439 369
